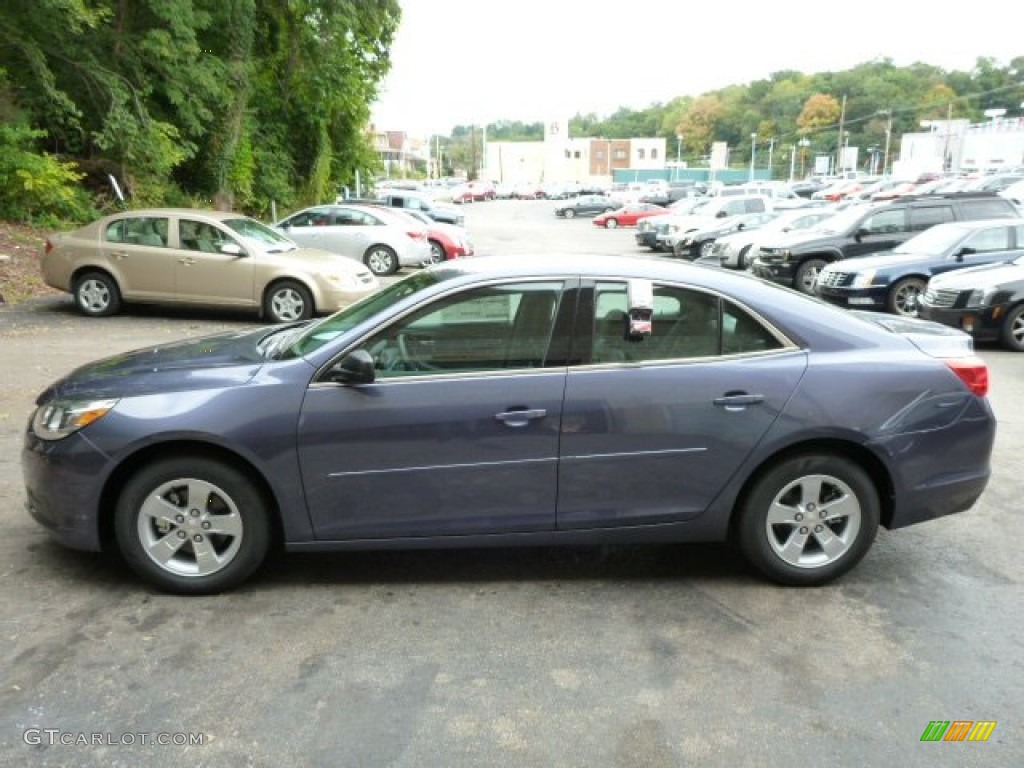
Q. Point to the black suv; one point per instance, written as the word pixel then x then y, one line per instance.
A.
pixel 796 258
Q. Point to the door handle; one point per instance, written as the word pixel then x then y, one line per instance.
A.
pixel 521 417
pixel 187 261
pixel 737 401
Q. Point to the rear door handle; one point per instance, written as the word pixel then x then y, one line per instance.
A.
pixel 737 401
pixel 520 418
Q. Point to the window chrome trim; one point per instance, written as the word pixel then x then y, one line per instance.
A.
pixel 431 467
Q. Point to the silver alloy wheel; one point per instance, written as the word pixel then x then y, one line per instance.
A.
pixel 569 213
pixel 1013 330
pixel 287 305
pixel 189 527
pixel 807 275
pixel 436 253
pixel 905 296
pixel 94 296
pixel 813 521
pixel 381 260
pixel 611 223
pixel 705 248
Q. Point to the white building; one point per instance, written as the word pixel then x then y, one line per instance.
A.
pixel 958 146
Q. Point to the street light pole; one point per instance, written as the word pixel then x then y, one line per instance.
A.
pixel 753 153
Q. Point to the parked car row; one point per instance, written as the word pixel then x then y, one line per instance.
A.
pixel 314 261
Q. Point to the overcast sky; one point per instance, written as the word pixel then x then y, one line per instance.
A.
pixel 470 61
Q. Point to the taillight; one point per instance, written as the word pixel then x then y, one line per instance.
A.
pixel 973 372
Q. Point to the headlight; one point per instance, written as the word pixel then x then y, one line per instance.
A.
pixel 60 418
pixel 863 279
pixel 980 297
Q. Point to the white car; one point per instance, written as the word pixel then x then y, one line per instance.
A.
pixel 370 234
pixel 737 251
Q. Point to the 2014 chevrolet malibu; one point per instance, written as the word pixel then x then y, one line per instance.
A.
pixel 497 402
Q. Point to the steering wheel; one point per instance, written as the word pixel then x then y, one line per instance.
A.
pixel 406 349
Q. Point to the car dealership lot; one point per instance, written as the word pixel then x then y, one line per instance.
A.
pixel 665 655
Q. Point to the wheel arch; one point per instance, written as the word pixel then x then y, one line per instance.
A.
pixel 115 483
pixel 307 284
pixel 85 269
pixel 863 457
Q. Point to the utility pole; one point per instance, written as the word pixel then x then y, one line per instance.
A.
pixel 888 138
pixel 839 144
pixel 771 148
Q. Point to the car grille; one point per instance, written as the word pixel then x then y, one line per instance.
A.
pixel 834 279
pixel 940 299
pixel 772 254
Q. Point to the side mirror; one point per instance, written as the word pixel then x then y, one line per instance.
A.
pixel 965 251
pixel 721 215
pixel 862 232
pixel 233 249
pixel 354 368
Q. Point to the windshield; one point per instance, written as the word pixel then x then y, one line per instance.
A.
pixel 315 336
pixel 932 241
pixel 260 235
pixel 843 220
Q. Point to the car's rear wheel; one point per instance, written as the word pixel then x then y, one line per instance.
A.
pixel 807 275
pixel 611 223
pixel 1013 329
pixel 97 295
pixel 192 525
pixel 288 302
pixel 381 260
pixel 808 519
pixel 903 296
pixel 569 213
pixel 704 249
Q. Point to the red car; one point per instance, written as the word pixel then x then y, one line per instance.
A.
pixel 447 241
pixel 628 215
pixel 474 191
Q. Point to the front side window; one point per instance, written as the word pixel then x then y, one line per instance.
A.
pixel 495 328
pixel 995 239
pixel 200 236
pixel 886 222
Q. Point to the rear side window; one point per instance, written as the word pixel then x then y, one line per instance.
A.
pixel 928 216
pixel 144 230
pixel 886 222
pixel 994 208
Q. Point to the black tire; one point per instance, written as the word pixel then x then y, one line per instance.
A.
pixel 96 294
pixel 703 250
pixel 745 258
pixel 611 223
pixel 904 295
pixel 807 275
pixel 810 541
pixel 569 213
pixel 1012 334
pixel 287 302
pixel 381 260
pixel 437 254
pixel 215 539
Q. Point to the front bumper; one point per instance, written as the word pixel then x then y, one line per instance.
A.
pixel 63 479
pixel 777 272
pixel 983 323
pixel 648 239
pixel 854 298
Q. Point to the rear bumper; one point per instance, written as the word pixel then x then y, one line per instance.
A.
pixel 980 323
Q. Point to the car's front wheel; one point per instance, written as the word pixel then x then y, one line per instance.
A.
pixel 808 519
pixel 288 302
pixel 192 525
pixel 807 275
pixel 437 254
pixel 1013 329
pixel 381 260
pixel 97 295
pixel 704 249
pixel 903 296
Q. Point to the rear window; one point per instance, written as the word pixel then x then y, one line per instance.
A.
pixel 992 208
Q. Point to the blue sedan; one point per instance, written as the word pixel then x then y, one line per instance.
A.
pixel 500 402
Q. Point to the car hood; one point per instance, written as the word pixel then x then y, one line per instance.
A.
pixel 980 277
pixel 883 260
pixel 226 359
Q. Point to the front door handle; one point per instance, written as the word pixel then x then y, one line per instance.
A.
pixel 737 401
pixel 520 418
